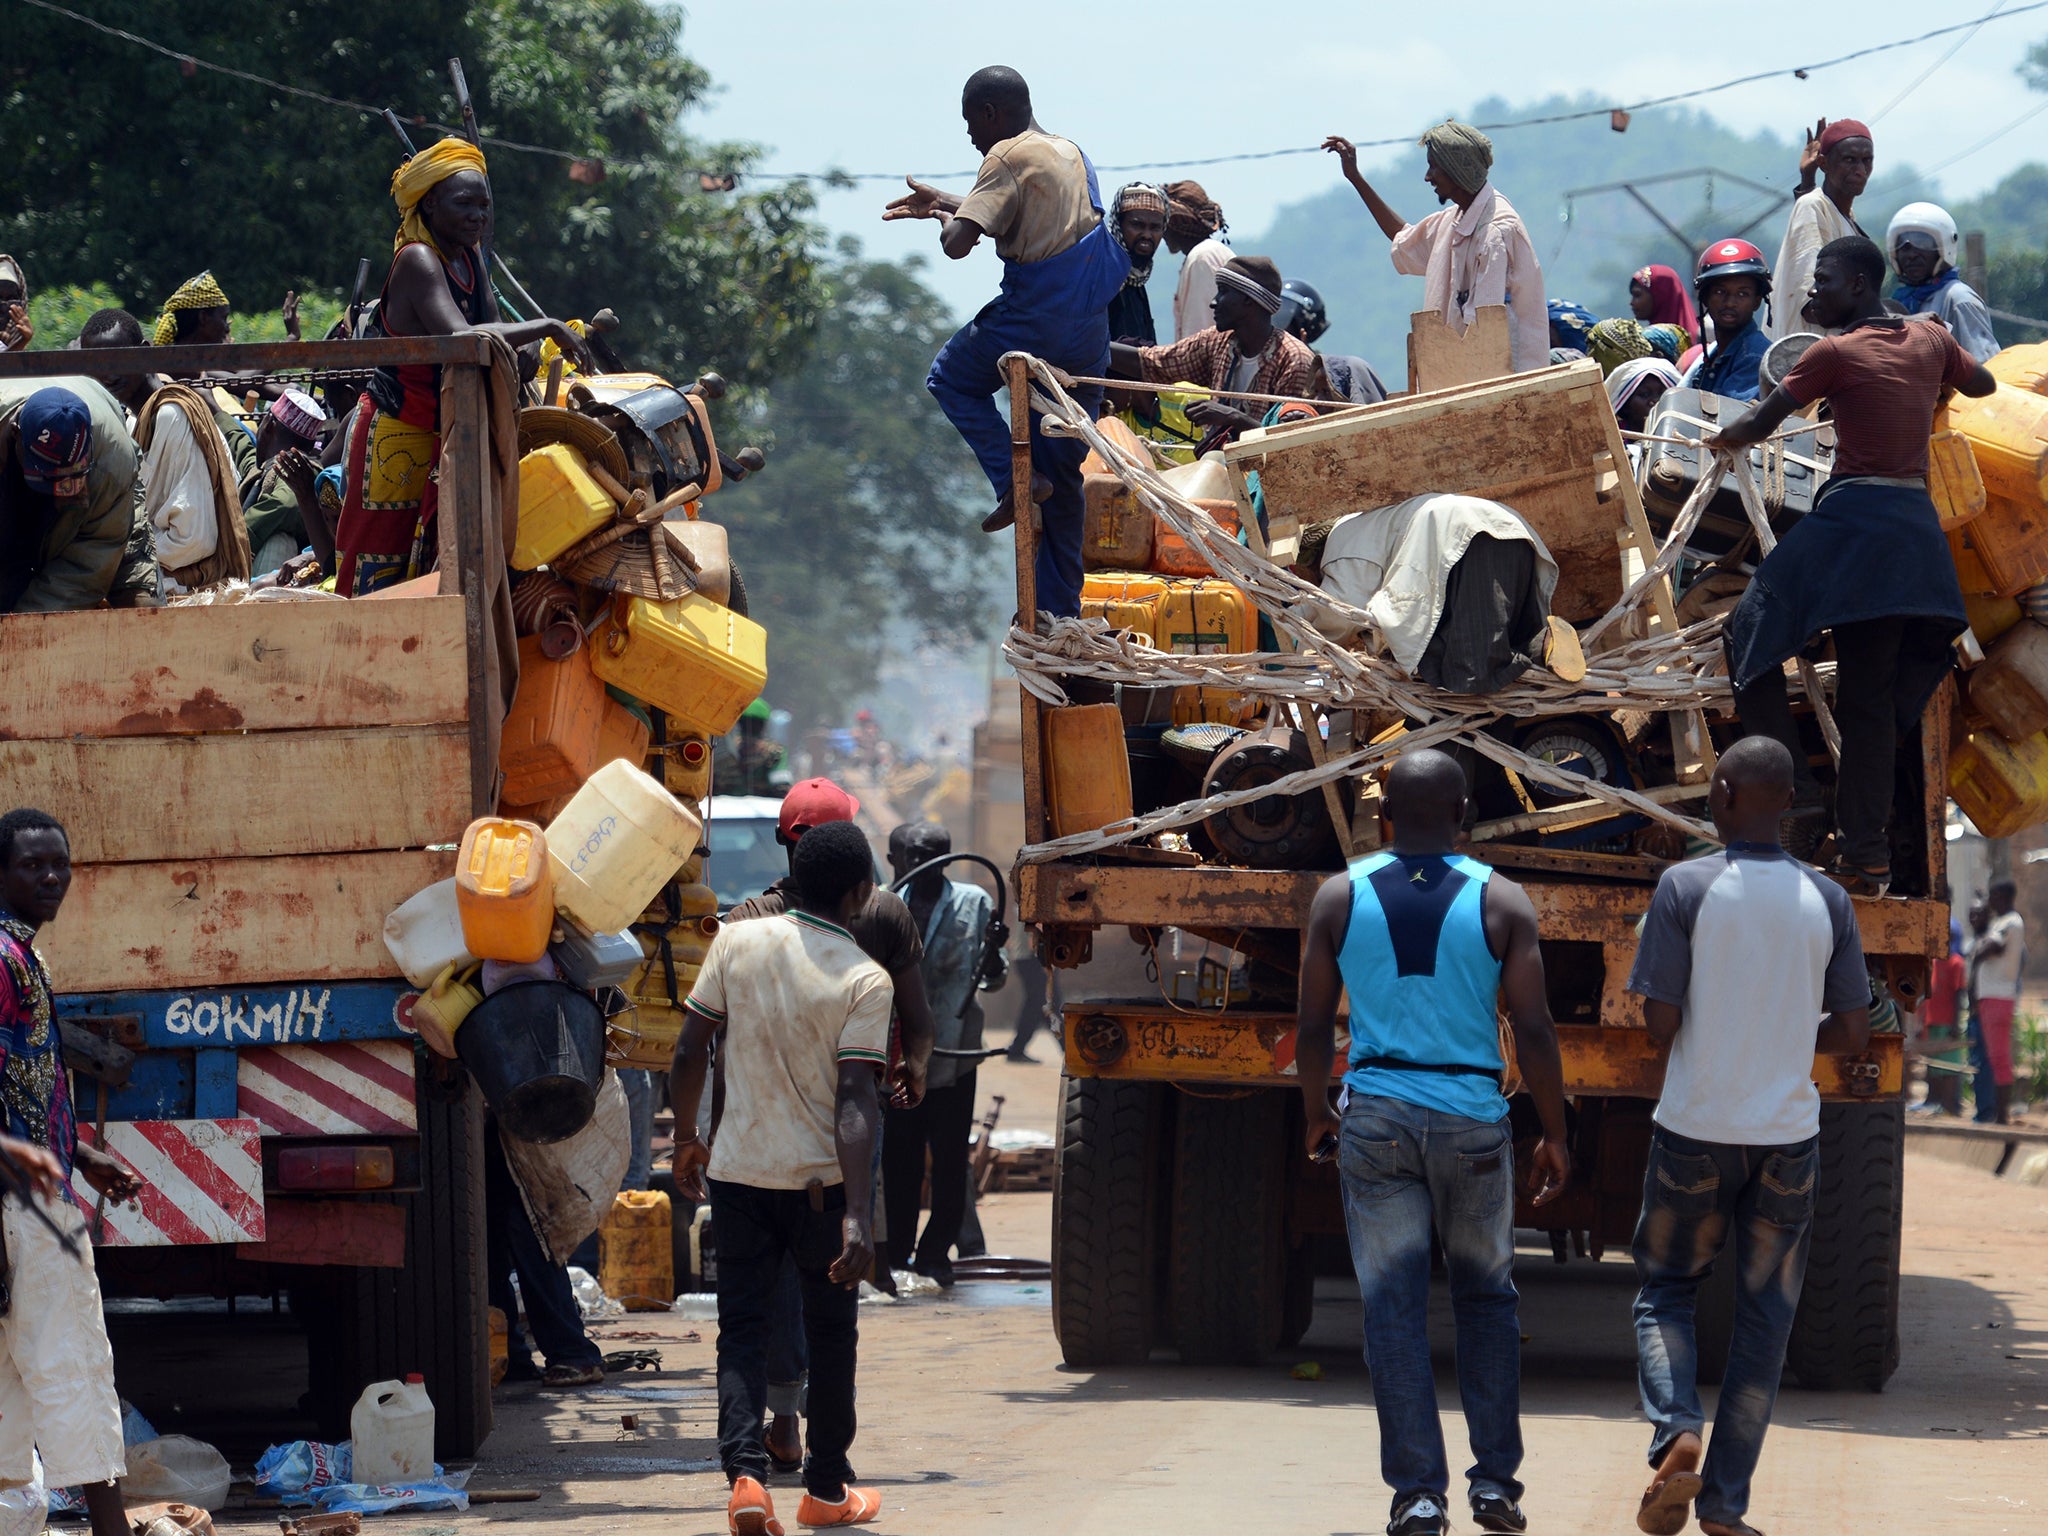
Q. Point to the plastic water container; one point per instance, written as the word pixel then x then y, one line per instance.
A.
pixel 617 842
pixel 393 1428
pixel 559 505
pixel 593 960
pixel 687 771
pixel 636 1262
pixel 506 890
pixel 2008 439
pixel 424 934
pixel 700 662
pixel 645 1036
pixel 2001 786
pixel 1175 556
pixel 439 1011
pixel 1087 772
pixel 695 899
pixel 623 730
pixel 1199 618
pixel 550 740
pixel 2010 688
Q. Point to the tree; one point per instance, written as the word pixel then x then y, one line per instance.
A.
pixel 128 171
pixel 864 522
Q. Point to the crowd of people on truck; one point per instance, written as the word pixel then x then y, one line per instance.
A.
pixel 788 1107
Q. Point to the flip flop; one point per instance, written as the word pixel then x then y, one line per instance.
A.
pixel 1667 1503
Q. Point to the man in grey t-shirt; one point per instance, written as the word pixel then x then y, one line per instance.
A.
pixel 1749 963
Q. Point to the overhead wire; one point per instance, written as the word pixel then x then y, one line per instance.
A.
pixel 1928 73
pixel 184 59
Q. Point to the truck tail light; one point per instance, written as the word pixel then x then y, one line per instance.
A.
pixel 335 1168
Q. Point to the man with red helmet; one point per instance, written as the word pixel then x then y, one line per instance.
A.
pixel 1732 282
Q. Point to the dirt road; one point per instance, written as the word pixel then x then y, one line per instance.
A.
pixel 970 1423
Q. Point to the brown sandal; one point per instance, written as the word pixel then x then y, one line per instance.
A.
pixel 1667 1502
pixel 1722 1528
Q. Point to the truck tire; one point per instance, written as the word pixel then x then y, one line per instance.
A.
pixel 1105 1200
pixel 433 1315
pixel 1229 1267
pixel 1846 1331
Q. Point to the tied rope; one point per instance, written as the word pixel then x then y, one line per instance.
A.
pixel 1677 670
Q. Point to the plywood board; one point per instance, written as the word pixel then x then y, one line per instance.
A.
pixel 136 799
pixel 227 923
pixel 251 666
pixel 1440 357
pixel 1536 441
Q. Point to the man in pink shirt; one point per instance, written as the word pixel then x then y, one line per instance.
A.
pixel 1474 252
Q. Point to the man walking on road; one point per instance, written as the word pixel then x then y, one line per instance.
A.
pixel 1997 959
pixel 56 1366
pixel 1427 943
pixel 1750 962
pixel 803 1017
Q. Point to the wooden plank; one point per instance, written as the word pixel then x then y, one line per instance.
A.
pixel 139 799
pixel 249 666
pixel 1535 441
pixel 469 494
pixel 238 357
pixel 1030 712
pixel 1440 357
pixel 229 923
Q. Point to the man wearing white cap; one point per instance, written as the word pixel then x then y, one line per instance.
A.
pixel 278 500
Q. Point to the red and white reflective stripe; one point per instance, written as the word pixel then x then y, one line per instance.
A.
pixel 349 1088
pixel 202 1182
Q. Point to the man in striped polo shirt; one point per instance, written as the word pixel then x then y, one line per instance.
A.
pixel 805 1021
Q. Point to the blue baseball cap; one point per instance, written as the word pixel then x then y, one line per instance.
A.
pixel 55 432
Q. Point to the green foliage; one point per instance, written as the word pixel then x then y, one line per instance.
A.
pixel 2018 283
pixel 2013 215
pixel 59 314
pixel 866 516
pixel 1587 246
pixel 130 173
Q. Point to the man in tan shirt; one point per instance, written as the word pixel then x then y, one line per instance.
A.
pixel 1036 197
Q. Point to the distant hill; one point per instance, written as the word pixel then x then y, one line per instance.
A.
pixel 1588 246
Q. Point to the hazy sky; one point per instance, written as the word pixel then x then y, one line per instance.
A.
pixel 877 87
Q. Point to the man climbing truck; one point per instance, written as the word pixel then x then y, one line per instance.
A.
pixel 1185 1213
pixel 236 1025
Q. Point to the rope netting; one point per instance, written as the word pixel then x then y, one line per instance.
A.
pixel 1672 670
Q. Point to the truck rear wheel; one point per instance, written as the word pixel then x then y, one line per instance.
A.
pixel 1229 1269
pixel 1105 1201
pixel 433 1315
pixel 1846 1332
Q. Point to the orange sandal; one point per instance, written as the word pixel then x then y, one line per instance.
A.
pixel 856 1506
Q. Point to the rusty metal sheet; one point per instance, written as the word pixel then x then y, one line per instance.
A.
pixel 1156 1043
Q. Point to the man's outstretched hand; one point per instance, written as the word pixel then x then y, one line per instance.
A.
pixel 921 202
pixel 1345 151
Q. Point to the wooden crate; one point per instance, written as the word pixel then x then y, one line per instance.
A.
pixel 1544 443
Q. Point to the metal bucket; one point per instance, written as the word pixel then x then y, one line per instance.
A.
pixel 536 1050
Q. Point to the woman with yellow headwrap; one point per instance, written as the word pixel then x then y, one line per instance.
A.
pixel 439 285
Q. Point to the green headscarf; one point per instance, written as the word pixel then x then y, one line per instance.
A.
pixel 1461 152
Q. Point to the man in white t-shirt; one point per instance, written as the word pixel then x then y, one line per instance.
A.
pixel 1996 960
pixel 803 1018
pixel 1749 963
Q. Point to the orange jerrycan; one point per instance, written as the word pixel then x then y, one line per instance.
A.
pixel 551 732
pixel 2002 786
pixel 635 1257
pixel 2008 437
pixel 1087 768
pixel 505 890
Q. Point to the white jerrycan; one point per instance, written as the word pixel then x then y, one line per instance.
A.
pixel 393 1427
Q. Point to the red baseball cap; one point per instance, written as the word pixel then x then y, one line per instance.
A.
pixel 813 803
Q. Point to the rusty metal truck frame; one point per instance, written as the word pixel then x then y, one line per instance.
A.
pixel 1184 1212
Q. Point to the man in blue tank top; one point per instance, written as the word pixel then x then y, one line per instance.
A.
pixel 1426 944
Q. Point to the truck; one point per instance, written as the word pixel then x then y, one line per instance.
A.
pixel 1186 1216
pixel 250 788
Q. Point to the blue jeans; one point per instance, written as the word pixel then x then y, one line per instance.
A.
pixel 638 1084
pixel 1697 1196
pixel 965 379
pixel 789 1360
pixel 1404 1167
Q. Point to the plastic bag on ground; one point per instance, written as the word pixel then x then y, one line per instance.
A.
pixel 303 1464
pixel 135 1429
pixel 591 1300
pixel 378 1499
pixel 176 1467
pixel 25 1510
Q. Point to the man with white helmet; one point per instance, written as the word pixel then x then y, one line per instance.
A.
pixel 1921 243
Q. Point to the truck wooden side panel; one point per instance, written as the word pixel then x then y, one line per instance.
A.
pixel 220 923
pixel 260 666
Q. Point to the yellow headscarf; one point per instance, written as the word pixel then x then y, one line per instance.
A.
pixel 201 293
pixel 420 175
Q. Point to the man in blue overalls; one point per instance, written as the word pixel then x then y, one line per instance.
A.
pixel 1036 197
pixel 1426 943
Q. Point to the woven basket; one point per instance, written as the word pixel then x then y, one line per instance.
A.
pixel 540 425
